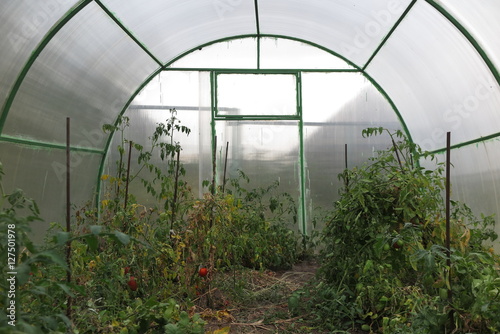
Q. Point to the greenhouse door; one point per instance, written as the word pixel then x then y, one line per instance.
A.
pixel 262 127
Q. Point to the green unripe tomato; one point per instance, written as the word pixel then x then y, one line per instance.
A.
pixel 368 266
pixel 443 293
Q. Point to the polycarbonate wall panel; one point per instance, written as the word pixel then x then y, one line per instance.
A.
pixel 288 54
pixel 142 126
pixel 266 151
pixel 475 178
pixel 480 18
pixel 353 29
pixel 23 23
pixel 336 108
pixel 171 27
pixel 275 53
pixel 437 80
pixel 41 174
pixel 86 72
pixel 237 53
pixel 184 89
pixel 189 94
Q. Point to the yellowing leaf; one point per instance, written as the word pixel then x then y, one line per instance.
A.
pixel 223 315
pixel 223 330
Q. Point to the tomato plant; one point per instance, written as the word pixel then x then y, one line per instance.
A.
pixel 393 201
pixel 149 254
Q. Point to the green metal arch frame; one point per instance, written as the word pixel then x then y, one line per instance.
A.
pixel 491 66
pixel 167 68
pixel 79 6
pixel 469 37
pixel 34 55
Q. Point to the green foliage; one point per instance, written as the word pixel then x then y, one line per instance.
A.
pixel 135 269
pixel 243 227
pixel 165 183
pixel 29 263
pixel 384 259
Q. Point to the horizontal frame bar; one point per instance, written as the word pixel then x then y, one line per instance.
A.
pixel 40 144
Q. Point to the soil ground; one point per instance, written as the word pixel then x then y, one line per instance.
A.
pixel 250 301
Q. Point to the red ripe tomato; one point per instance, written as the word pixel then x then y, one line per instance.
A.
pixel 203 272
pixel 132 283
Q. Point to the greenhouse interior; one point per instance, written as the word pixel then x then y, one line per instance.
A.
pixel 161 157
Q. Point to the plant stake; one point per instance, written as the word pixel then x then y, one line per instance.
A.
pixel 128 175
pixel 225 167
pixel 448 251
pixel 68 212
pixel 176 186
pixel 346 179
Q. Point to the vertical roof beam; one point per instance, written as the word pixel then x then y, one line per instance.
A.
pixel 128 32
pixel 396 25
pixel 257 26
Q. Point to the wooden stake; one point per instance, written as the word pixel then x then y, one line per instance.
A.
pixel 448 237
pixel 128 175
pixel 346 179
pixel 397 155
pixel 176 186
pixel 225 167
pixel 68 212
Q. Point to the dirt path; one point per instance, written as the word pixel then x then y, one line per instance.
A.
pixel 257 302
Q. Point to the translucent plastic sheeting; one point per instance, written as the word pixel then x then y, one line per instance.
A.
pixel 41 174
pixel 256 94
pixel 437 80
pixel 480 18
pixel 353 29
pixel 87 72
pixel 23 23
pixel 171 27
pixel 288 54
pixel 275 53
pixel 237 53
pixel 194 156
pixel 336 108
pixel 266 151
pixel 189 94
pixel 475 178
pixel 185 88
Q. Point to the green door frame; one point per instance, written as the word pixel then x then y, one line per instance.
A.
pixel 298 117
